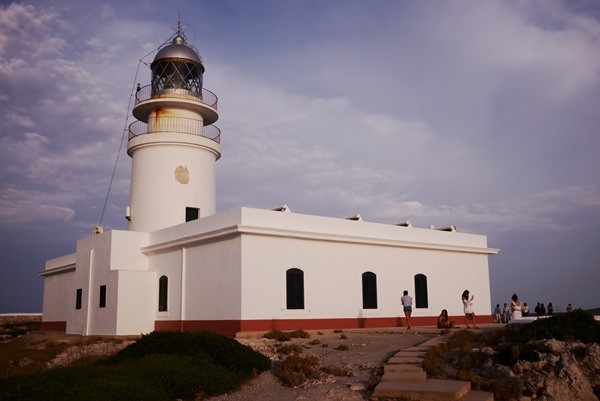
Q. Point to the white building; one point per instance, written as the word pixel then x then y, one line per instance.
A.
pixel 180 266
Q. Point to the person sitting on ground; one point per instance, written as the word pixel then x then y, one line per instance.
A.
pixel 497 314
pixel 525 310
pixel 569 308
pixel 537 309
pixel 443 322
pixel 550 309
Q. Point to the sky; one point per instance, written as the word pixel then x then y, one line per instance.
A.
pixel 480 114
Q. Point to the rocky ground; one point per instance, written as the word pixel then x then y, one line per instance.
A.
pixel 362 361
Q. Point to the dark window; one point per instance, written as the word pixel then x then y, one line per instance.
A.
pixel 78 298
pixel 191 213
pixel 369 290
pixel 163 288
pixel 421 291
pixel 294 279
pixel 102 296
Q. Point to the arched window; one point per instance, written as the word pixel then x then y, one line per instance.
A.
pixel 294 281
pixel 369 290
pixel 421 291
pixel 163 291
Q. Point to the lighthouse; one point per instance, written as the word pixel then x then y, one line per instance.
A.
pixel 173 144
pixel 182 266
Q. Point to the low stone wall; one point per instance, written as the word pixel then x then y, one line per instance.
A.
pixel 12 318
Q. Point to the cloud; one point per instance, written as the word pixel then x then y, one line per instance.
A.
pixel 19 206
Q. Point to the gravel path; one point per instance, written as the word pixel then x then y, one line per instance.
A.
pixel 366 354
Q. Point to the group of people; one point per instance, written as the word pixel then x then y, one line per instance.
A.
pixel 443 320
pixel 516 310
pixel 501 315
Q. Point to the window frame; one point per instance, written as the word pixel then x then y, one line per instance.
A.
pixel 78 298
pixel 102 303
pixel 192 213
pixel 421 293
pixel 369 290
pixel 163 294
pixel 294 289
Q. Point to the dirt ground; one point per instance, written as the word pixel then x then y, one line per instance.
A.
pixel 364 359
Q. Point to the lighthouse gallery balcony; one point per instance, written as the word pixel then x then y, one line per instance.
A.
pixel 145 102
pixel 174 124
pixel 204 102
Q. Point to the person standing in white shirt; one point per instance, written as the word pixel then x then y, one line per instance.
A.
pixel 407 306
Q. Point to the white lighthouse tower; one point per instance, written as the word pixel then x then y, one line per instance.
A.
pixel 173 145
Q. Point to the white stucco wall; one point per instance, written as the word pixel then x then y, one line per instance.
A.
pixel 159 196
pixel 137 302
pixel 333 278
pixel 105 259
pixel 213 281
pixel 56 300
pixel 235 264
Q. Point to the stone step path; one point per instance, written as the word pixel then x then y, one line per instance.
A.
pixel 404 377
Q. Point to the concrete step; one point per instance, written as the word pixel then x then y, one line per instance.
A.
pixel 417 348
pixel 405 359
pixel 477 396
pixel 402 367
pixel 434 341
pixel 429 390
pixel 411 353
pixel 415 377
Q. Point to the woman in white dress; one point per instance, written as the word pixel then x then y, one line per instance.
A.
pixel 515 307
pixel 467 301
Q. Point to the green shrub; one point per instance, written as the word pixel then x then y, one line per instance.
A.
pixel 299 333
pixel 507 388
pixel 496 337
pixel 19 329
pixel 289 349
pixel 159 366
pixel 463 339
pixel 431 361
pixel 295 370
pixel 510 353
pixel 577 325
pixel 220 349
pixel 336 371
pixel 467 375
pixel 277 335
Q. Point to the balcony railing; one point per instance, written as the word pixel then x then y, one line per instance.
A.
pixel 174 124
pixel 206 97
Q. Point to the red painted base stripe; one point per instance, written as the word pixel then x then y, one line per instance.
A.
pixel 231 327
pixel 54 326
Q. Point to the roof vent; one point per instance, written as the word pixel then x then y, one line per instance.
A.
pixel 451 229
pixel 404 224
pixel 355 217
pixel 283 208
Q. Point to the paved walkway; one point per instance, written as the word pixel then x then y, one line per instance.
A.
pixel 404 377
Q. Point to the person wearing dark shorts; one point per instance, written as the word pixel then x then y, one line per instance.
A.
pixel 407 306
